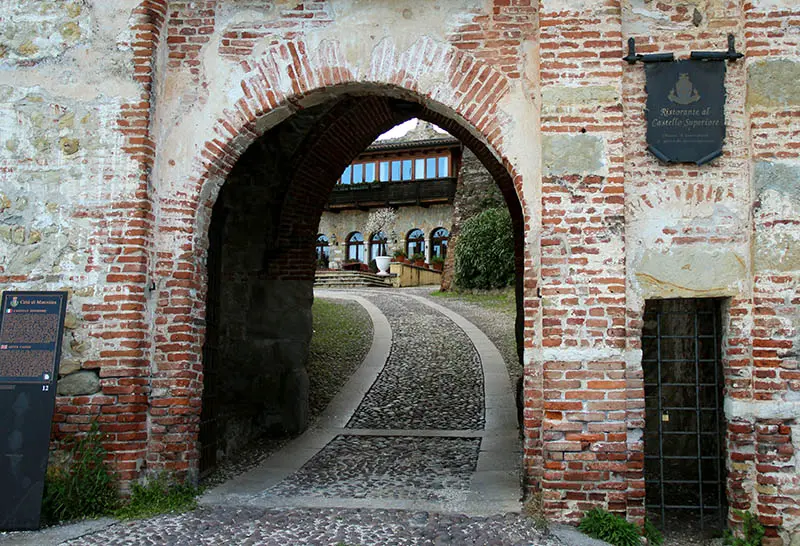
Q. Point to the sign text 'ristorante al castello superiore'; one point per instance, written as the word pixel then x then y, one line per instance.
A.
pixel 685 110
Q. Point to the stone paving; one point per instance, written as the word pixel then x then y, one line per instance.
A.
pixel 346 527
pixel 395 467
pixel 420 447
pixel 433 377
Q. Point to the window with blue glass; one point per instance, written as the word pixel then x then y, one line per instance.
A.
pixel 415 242
pixel 354 246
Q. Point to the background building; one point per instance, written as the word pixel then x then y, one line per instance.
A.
pixel 415 174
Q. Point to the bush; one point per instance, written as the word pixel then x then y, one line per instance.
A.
pixel 159 497
pixel 752 531
pixel 652 534
pixel 485 251
pixel 82 488
pixel 606 526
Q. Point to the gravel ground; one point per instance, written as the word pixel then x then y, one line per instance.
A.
pixel 684 530
pixel 496 321
pixel 389 467
pixel 280 527
pixel 433 378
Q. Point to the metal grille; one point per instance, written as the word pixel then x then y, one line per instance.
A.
pixel 684 432
pixel 209 425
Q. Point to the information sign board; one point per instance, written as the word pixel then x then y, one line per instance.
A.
pixel 31 331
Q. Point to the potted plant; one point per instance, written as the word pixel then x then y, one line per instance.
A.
pixel 399 256
pixel 351 265
pixel 419 259
pixel 379 222
pixel 437 262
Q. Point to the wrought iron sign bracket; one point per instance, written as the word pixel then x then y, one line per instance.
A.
pixel 730 55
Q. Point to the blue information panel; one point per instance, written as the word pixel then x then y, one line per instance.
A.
pixel 31 330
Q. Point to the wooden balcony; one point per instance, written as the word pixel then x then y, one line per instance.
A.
pixel 381 194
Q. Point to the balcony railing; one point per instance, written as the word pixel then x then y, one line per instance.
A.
pixel 376 194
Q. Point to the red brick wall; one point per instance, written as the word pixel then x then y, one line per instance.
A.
pixel 175 409
pixel 118 324
pixel 586 388
pixel 588 227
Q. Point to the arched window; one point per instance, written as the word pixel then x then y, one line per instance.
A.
pixel 355 246
pixel 377 245
pixel 439 239
pixel 415 242
pixel 323 250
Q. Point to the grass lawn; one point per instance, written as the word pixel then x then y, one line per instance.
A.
pixel 342 337
pixel 502 299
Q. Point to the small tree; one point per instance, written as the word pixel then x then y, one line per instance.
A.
pixel 381 220
pixel 485 251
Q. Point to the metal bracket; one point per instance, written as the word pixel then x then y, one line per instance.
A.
pixel 731 55
pixel 632 56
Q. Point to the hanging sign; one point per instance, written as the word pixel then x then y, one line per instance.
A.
pixel 685 110
pixel 31 330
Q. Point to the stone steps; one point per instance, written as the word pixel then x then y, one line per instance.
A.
pixel 350 279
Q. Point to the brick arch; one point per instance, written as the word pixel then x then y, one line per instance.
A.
pixel 286 79
pixel 288 76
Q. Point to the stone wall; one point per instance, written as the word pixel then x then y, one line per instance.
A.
pixel 346 222
pixel 123 119
pixel 475 191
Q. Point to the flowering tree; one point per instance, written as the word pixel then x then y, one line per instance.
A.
pixel 381 220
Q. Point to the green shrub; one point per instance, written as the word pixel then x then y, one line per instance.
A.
pixel 652 534
pixel 485 251
pixel 417 256
pixel 159 497
pixel 752 531
pixel 437 260
pixel 83 487
pixel 606 526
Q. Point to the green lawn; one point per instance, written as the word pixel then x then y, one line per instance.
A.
pixel 501 300
pixel 342 337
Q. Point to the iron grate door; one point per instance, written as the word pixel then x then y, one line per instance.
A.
pixel 685 428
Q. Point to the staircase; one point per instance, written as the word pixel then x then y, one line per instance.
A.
pixel 350 279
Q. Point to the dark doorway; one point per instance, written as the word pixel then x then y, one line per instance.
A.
pixel 685 424
pixel 208 435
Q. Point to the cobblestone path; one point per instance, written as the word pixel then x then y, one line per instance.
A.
pixel 420 447
pixel 433 377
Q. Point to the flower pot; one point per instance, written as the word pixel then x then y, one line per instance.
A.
pixel 437 266
pixel 383 265
pixel 419 263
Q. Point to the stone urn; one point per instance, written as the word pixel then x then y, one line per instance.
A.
pixel 383 265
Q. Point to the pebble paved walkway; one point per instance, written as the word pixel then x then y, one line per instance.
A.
pixel 420 447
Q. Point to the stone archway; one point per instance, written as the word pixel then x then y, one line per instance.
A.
pixel 284 85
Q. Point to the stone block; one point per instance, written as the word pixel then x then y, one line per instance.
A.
pixel 68 366
pixel 572 154
pixel 777 250
pixel 773 83
pixel 555 97
pixel 79 383
pixel 781 177
pixel 690 272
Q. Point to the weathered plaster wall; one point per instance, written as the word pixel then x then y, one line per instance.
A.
pixel 68 182
pixel 108 178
